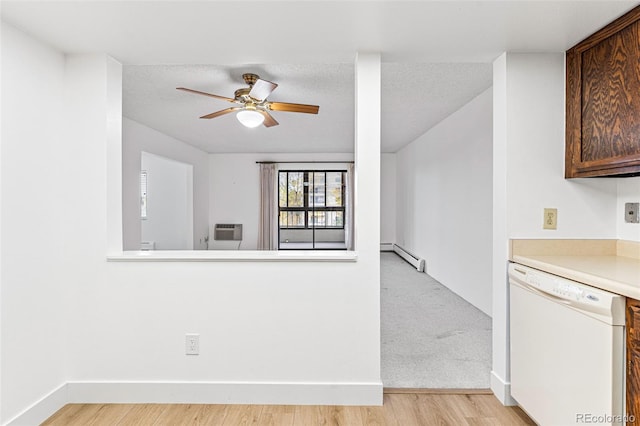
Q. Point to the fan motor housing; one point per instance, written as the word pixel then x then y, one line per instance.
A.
pixel 242 93
pixel 250 78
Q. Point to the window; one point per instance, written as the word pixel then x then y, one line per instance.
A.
pixel 311 199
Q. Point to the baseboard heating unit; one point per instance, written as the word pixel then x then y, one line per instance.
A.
pixel 414 260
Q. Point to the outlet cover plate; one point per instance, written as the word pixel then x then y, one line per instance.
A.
pixel 550 219
pixel 631 212
pixel 192 344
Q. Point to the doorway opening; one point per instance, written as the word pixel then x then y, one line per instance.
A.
pixel 166 203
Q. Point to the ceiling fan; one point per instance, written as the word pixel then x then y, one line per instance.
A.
pixel 254 107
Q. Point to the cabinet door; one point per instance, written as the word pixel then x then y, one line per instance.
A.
pixel 603 101
pixel 633 357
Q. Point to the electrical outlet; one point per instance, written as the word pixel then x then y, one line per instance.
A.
pixel 550 219
pixel 631 212
pixel 192 344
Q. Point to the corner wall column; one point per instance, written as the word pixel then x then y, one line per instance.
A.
pixel 367 184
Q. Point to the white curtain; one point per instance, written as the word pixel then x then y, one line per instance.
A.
pixel 268 225
pixel 348 224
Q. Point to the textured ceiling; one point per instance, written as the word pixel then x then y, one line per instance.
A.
pixel 150 97
pixel 414 98
pixel 436 55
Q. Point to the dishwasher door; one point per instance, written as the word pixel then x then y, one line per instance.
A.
pixel 567 350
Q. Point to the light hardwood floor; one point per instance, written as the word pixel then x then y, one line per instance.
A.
pixel 400 409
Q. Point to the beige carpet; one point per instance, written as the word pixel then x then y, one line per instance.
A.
pixel 431 337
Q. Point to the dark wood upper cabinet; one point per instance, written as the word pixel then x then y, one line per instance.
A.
pixel 603 101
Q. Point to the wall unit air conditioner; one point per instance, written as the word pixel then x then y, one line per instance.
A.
pixel 227 232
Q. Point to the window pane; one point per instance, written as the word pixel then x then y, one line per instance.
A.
pixel 335 219
pixel 292 219
pixel 282 189
pixel 316 189
pixel 296 191
pixel 334 189
pixel 329 218
pixel 295 219
pixel 317 219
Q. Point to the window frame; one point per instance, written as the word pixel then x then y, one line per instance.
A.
pixel 306 208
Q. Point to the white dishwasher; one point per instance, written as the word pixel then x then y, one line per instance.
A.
pixel 567 349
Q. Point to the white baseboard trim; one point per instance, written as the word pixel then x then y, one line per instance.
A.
pixel 227 393
pixel 199 393
pixel 386 246
pixel 502 390
pixel 43 409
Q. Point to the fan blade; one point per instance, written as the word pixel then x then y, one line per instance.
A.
pixel 268 119
pixel 283 106
pixel 206 94
pixel 222 112
pixel 261 89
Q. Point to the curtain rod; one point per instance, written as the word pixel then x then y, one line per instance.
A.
pixel 303 162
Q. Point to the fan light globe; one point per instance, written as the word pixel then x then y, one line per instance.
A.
pixel 250 118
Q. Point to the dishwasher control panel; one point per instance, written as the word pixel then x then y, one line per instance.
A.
pixel 569 290
pixel 577 295
pixel 551 284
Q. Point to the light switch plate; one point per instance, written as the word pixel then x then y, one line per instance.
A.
pixel 631 212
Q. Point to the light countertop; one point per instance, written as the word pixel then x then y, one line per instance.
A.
pixel 606 264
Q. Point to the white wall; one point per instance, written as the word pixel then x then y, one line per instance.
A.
pixel 302 323
pixel 137 138
pixel 35 189
pixel 235 192
pixel 120 326
pixel 444 209
pixel 169 220
pixel 388 198
pixel 535 158
pixel 500 367
pixel 628 192
pixel 528 154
